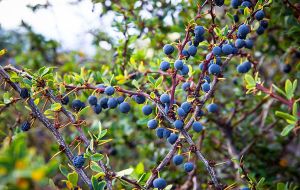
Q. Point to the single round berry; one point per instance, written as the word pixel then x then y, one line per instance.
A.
pixel 65 100
pixel 287 68
pixel 227 49
pixel 178 124
pixel 120 99
pixel 24 93
pixel 199 30
pixel 186 54
pixel 168 49
pixel 185 70
pixel 259 15
pixel 97 108
pixel 78 161
pixel 200 113
pixel 192 50
pixel 140 99
pixel 239 43
pixel 247 65
pixel 186 86
pixel 112 103
pixel 235 3
pixel 197 40
pixel 147 109
pixel 248 44
pixel 264 23
pixel 201 65
pixel 241 68
pixel 77 105
pixel 218 60
pixel 212 107
pixel 124 107
pixel 109 90
pixel 101 86
pixel 197 127
pixel 245 188
pixel 25 126
pixel 207 79
pixel 188 167
pixel 172 138
pixel 92 100
pixel 178 64
pixel 181 112
pixel 236 18
pixel 246 4
pixel 243 30
pixel 260 30
pixel 160 132
pixel 159 183
pixel 205 87
pixel 167 133
pixel 103 102
pixel 217 50
pixel 165 98
pixel 177 159
pixel 152 124
pixel 186 106
pixel 214 69
pixel 219 2
pixel 164 66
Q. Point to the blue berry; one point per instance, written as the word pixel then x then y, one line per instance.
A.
pixel 112 103
pixel 188 167
pixel 234 50
pixel 245 188
pixel 140 99
pixel 25 126
pixel 77 105
pixel 101 86
pixel 168 49
pixel 167 133
pixel 147 109
pixel 260 30
pixel 241 68
pixel 186 106
pixel 178 64
pixel 172 138
pixel 78 161
pixel 186 54
pixel 152 124
pixel 218 60
pixel 159 183
pixel 214 69
pixel 178 124
pixel 124 107
pixel 207 79
pixel 186 86
pixel 164 66
pixel 24 93
pixel 120 99
pixel 246 4
pixel 192 50
pixel 92 100
pixel 243 30
pixel 181 112
pixel 160 132
pixel 236 18
pixel 205 87
pixel 65 100
pixel 200 113
pixel 177 159
pixel 247 65
pixel 103 102
pixel 239 43
pixel 185 70
pixel 199 30
pixel 259 15
pixel 197 40
pixel 235 3
pixel 201 65
pixel 248 44
pixel 164 98
pixel 263 23
pixel 217 50
pixel 219 2
pixel 197 127
pixel 97 108
pixel 227 49
pixel 212 107
pixel 109 90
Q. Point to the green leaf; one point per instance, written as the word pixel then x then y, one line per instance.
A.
pixel 285 116
pixel 280 186
pixel 139 169
pixel 95 167
pixel 151 79
pixel 260 182
pixel 63 170
pixel 295 109
pixel 278 89
pixel 102 134
pixel 230 15
pixel 6 98
pixel 295 85
pixel 97 185
pixel 73 178
pixel 55 107
pixel 158 81
pixel 96 157
pixel 287 130
pixel 125 172
pixel 135 84
pixel 289 89
pixel 83 111
pixel 27 81
pixel 250 82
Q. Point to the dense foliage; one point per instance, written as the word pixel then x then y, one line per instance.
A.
pixel 194 95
